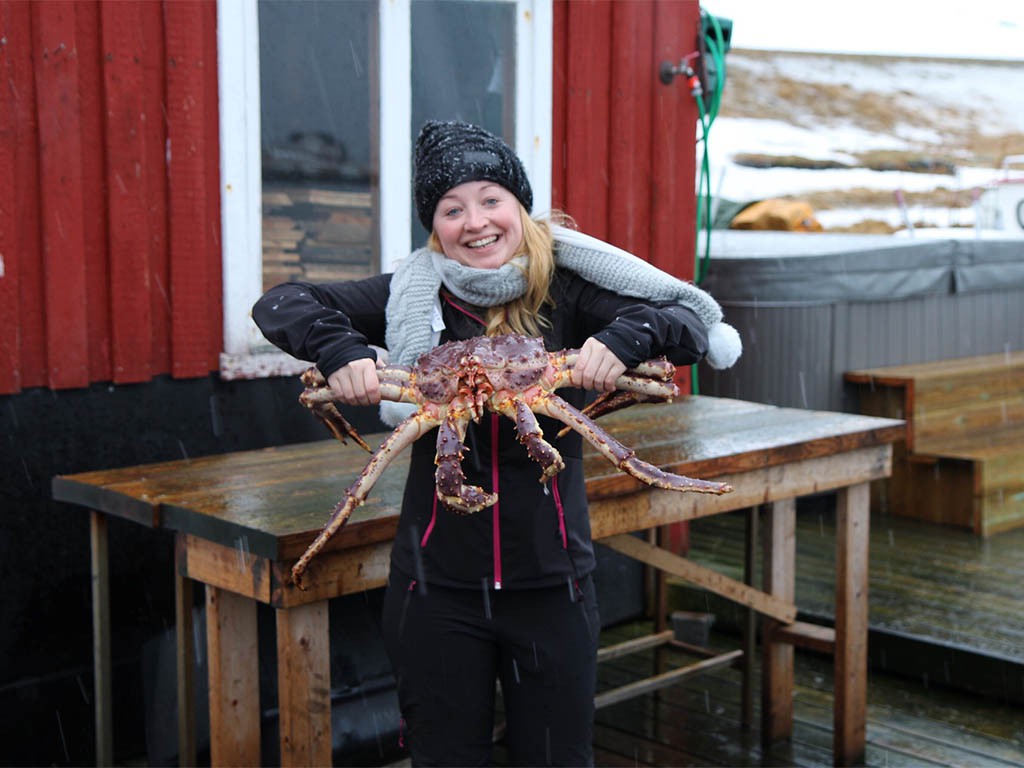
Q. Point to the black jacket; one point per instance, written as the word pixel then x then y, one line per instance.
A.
pixel 536 535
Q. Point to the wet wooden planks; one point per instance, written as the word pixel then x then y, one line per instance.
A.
pixel 943 603
pixel 698 721
pixel 276 499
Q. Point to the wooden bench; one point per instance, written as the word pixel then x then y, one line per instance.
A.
pixel 963 460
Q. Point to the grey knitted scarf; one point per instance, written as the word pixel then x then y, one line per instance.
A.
pixel 413 310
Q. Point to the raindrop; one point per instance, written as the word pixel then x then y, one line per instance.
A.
pixel 184 453
pixel 357 65
pixel 63 741
pixel 322 89
pixel 515 670
pixel 242 544
pixel 487 598
pixel 215 420
pixel 163 293
pixel 418 559
pixel 892 538
pixel 81 688
pixel 198 644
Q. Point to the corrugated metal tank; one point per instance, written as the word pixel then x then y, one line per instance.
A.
pixel 810 307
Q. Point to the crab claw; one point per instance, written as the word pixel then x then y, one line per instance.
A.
pixel 450 479
pixel 532 436
pixel 319 399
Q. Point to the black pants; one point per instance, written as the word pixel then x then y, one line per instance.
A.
pixel 448 646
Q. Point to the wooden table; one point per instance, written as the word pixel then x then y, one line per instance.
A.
pixel 241 520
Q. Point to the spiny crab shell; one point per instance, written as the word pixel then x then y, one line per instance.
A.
pixel 509 362
pixel 458 382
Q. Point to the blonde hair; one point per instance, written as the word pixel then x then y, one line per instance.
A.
pixel 523 315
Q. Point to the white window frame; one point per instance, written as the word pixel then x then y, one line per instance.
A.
pixel 246 353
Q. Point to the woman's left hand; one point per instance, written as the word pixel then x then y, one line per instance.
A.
pixel 596 367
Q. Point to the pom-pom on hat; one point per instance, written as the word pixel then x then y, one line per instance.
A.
pixel 452 153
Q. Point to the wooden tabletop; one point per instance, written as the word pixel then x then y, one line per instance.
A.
pixel 273 501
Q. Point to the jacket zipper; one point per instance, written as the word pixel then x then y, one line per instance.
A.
pixel 496 524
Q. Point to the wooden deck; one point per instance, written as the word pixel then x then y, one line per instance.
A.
pixel 946 646
pixel 698 721
pixel 941 597
pixel 945 594
pixel 945 606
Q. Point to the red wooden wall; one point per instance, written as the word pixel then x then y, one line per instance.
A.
pixel 109 205
pixel 109 191
pixel 624 143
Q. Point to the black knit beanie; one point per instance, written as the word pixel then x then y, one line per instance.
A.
pixel 452 153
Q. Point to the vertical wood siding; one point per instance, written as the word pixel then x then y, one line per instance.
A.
pixel 623 164
pixel 109 209
pixel 109 205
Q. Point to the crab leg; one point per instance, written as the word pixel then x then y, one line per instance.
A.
pixel 630 381
pixel 404 435
pixel 622 457
pixel 609 402
pixel 532 436
pixel 450 479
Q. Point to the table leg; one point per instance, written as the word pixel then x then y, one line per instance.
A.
pixel 750 621
pixel 851 654
pixel 304 684
pixel 185 646
pixel 234 674
pixel 101 664
pixel 777 662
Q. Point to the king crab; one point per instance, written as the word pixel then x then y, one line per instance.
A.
pixel 459 381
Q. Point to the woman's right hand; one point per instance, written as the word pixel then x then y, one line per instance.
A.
pixel 356 383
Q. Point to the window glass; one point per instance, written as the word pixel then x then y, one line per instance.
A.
pixel 463 67
pixel 317 141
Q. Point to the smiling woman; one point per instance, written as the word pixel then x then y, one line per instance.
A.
pixel 478 224
pixel 489 270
